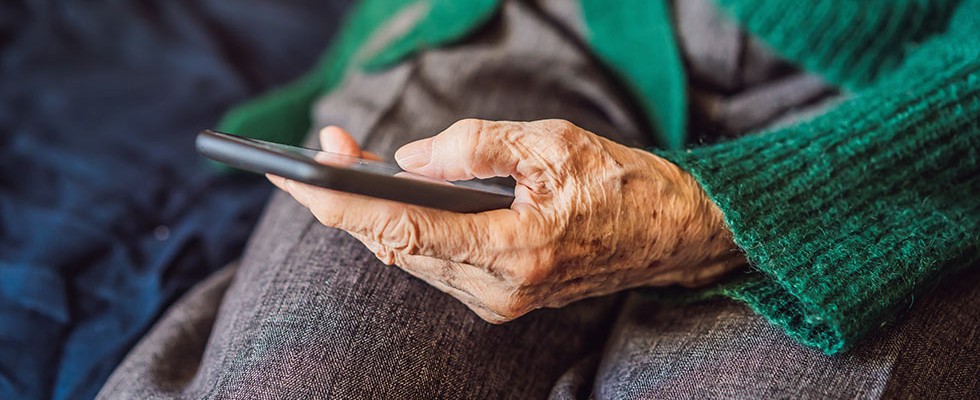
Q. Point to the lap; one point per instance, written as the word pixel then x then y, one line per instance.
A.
pixel 324 317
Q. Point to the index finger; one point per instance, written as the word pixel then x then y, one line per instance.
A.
pixel 474 238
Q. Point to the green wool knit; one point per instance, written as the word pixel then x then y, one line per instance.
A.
pixel 844 218
pixel 848 216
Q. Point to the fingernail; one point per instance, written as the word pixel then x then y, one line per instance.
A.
pixel 414 155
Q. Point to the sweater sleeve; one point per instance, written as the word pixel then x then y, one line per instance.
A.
pixel 846 217
pixel 849 42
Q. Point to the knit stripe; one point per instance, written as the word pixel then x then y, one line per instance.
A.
pixel 903 153
pixel 930 97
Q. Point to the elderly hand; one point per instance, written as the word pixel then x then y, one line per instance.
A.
pixel 591 217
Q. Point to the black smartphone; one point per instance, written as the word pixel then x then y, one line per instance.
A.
pixel 350 174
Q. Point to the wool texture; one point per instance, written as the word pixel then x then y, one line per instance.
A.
pixel 846 217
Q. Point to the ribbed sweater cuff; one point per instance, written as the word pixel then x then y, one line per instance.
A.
pixel 844 217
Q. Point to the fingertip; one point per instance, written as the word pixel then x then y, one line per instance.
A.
pixel 301 192
pixel 337 140
pixel 280 182
pixel 288 186
pixel 332 130
pixel 414 155
pixel 276 180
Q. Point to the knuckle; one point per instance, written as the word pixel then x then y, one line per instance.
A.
pixel 569 133
pixel 468 126
pixel 558 124
pixel 561 138
pixel 467 134
pixel 386 255
pixel 400 232
pixel 561 129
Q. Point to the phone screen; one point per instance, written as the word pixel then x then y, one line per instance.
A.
pixel 375 167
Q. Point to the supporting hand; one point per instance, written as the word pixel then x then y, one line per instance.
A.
pixel 591 217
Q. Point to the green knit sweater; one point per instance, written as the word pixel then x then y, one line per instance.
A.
pixel 844 218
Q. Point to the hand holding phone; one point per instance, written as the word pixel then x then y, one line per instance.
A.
pixel 590 217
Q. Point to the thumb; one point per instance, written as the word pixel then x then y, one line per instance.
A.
pixel 468 149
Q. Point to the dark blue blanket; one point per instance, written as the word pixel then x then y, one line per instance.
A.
pixel 106 212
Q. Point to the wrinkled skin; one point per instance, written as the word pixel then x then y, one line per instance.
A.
pixel 591 217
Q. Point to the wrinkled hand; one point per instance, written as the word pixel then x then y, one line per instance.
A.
pixel 591 217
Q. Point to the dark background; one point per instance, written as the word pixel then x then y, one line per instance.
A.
pixel 106 212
